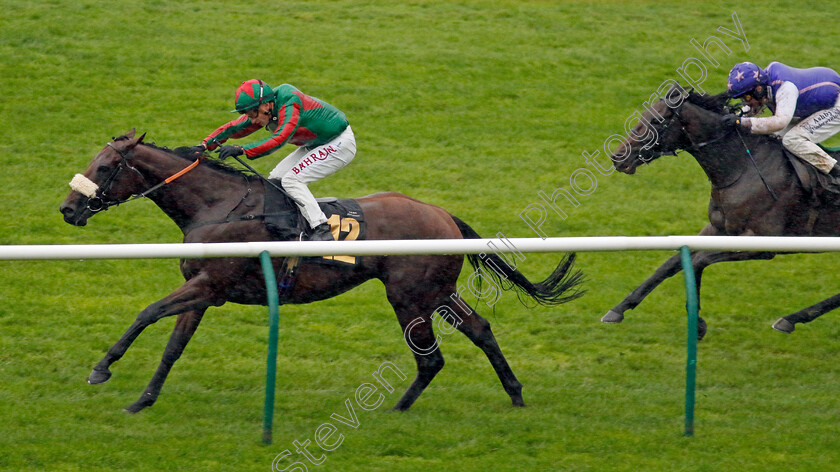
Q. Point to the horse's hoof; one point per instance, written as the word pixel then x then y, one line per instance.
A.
pixel 145 401
pixel 519 402
pixel 701 329
pixel 784 326
pixel 612 317
pixel 98 376
pixel 134 408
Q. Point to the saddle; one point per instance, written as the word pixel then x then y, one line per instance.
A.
pixel 823 190
pixel 285 222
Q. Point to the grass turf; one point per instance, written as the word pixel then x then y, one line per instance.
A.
pixel 475 106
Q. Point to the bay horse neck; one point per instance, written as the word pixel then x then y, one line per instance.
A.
pixel 195 196
pixel 721 153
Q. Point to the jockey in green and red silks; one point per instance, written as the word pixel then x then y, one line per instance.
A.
pixel 296 118
pixel 321 131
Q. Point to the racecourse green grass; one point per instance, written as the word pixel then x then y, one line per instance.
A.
pixel 474 106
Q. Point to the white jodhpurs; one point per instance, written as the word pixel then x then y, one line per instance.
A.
pixel 802 139
pixel 310 164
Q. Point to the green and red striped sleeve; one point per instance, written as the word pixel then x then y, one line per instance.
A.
pixel 235 129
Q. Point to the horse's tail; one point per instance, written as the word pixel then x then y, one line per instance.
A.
pixel 563 285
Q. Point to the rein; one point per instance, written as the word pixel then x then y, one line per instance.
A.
pixel 245 164
pixel 697 146
pixel 97 203
pixel 97 200
pixel 752 159
pixel 726 133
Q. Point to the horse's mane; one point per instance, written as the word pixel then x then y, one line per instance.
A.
pixel 186 154
pixel 720 104
pixel 716 103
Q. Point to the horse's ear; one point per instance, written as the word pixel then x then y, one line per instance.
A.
pixel 135 142
pixel 675 95
pixel 130 133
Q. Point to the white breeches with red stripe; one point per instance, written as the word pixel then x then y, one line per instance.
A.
pixel 310 164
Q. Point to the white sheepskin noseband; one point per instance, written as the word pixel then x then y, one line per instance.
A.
pixel 84 185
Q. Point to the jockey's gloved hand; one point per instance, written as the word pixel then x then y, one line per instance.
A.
pixel 198 149
pixel 230 150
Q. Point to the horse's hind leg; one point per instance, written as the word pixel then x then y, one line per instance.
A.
pixel 418 333
pixel 412 300
pixel 477 329
pixel 786 324
pixel 185 326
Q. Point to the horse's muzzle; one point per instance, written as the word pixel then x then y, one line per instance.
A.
pixel 627 165
pixel 74 217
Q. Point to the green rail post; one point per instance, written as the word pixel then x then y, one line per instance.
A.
pixel 273 326
pixel 691 365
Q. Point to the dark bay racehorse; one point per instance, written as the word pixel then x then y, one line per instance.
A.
pixel 758 196
pixel 416 286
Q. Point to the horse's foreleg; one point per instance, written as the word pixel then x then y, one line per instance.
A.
pixel 702 259
pixel 101 372
pixel 477 329
pixel 670 268
pixel 786 324
pixel 185 326
pixel 699 261
pixel 190 296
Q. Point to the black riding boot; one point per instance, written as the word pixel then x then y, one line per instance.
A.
pixel 321 232
pixel 832 183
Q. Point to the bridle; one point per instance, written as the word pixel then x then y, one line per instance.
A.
pixel 101 202
pixel 694 146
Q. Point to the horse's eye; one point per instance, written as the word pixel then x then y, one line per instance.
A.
pixel 103 169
